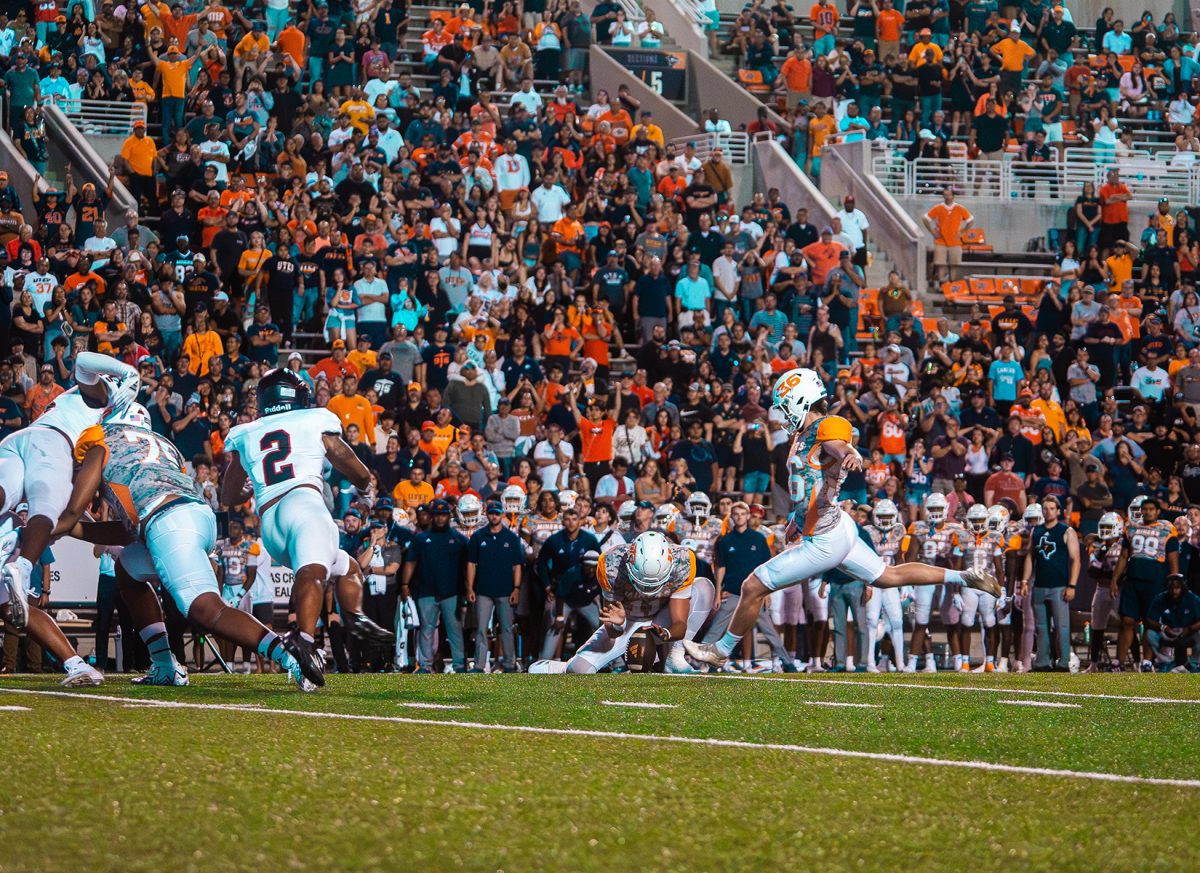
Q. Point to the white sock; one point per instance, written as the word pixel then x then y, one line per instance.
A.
pixel 989 660
pixel 958 662
pixel 849 664
pixel 74 663
pixel 727 643
pixel 954 577
pixel 155 638
pixel 929 658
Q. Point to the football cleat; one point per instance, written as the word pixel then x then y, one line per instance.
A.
pixel 965 668
pixel 1002 667
pixel 83 676
pixel 366 631
pixel 989 667
pixel 982 580
pixel 982 668
pixel 706 653
pixel 309 659
pixel 176 674
pixel 930 667
pixel 677 664
pixel 17 583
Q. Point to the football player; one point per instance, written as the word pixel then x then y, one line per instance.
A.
pixel 1001 523
pixel 938 541
pixel 1103 549
pixel 650 583
pixel 827 537
pixel 468 515
pixel 158 508
pixel 37 462
pixel 887 533
pixel 699 531
pixel 1150 554
pixel 1031 518
pixel 983 549
pixel 281 454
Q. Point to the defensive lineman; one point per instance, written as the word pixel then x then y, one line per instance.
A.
pixel 820 457
pixel 161 508
pixel 282 454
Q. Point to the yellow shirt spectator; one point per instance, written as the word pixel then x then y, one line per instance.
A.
pixel 412 494
pixel 139 150
pixel 916 55
pixel 653 133
pixel 251 44
pixel 354 409
pixel 361 114
pixel 1012 52
pixel 199 347
pixel 174 73
pixel 365 361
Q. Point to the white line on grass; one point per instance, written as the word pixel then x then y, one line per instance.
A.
pixel 841 703
pixel 14 709
pixel 655 738
pixel 1047 703
pixel 635 704
pixel 875 684
pixel 418 705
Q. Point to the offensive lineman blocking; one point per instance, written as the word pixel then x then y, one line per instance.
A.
pixel 820 457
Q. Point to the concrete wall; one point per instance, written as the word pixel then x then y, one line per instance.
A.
pixel 774 168
pixel 845 169
pixel 21 173
pixel 608 74
pixel 709 86
pixel 69 147
pixel 681 28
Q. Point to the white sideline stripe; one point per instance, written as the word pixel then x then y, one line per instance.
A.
pixel 418 705
pixel 656 738
pixel 637 704
pixel 841 703
pixel 1048 703
pixel 869 683
pixel 14 709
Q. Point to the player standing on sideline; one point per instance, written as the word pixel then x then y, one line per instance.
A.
pixel 1104 548
pixel 887 533
pixel 1151 553
pixel 699 530
pixel 158 506
pixel 37 464
pixel 468 515
pixel 650 583
pixel 237 562
pixel 938 542
pixel 820 457
pixel 281 454
pixel 1000 521
pixel 983 549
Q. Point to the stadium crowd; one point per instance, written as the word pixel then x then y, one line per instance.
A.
pixel 542 322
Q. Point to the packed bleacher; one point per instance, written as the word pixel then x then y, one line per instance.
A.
pixel 509 288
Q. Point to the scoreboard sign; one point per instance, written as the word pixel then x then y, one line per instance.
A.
pixel 664 71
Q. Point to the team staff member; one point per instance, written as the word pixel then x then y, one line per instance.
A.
pixel 738 552
pixel 1173 626
pixel 435 562
pixel 568 574
pixel 495 557
pixel 1151 554
pixel 1051 573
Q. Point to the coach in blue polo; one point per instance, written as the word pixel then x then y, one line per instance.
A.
pixel 432 569
pixel 495 557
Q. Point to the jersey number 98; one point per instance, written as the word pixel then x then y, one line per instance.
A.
pixel 276 445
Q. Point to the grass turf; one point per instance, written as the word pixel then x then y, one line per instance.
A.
pixel 103 785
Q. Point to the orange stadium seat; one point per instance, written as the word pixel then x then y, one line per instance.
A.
pixel 975 240
pixel 1008 285
pixel 955 291
pixel 982 288
pixel 868 301
pixel 752 81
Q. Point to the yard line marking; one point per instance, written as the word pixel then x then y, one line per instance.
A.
pixel 14 709
pixel 841 703
pixel 637 704
pixel 875 684
pixel 418 705
pixel 887 757
pixel 1048 703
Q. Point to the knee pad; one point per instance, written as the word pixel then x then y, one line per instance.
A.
pixel 581 666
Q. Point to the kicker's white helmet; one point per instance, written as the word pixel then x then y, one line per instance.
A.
pixel 997 520
pixel 977 519
pixel 1033 514
pixel 567 498
pixel 1110 527
pixel 470 510
pixel 885 514
pixel 794 395
pixel 666 515
pixel 132 415
pixel 650 563
pixel 513 499
pixel 936 508
pixel 698 506
pixel 1135 509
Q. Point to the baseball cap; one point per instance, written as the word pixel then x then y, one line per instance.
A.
pixel 924 31
pixel 139 123
pixel 295 356
pixel 428 425
pixel 338 344
pixel 759 510
pixel 439 507
pixel 414 386
pixel 219 296
pixel 494 507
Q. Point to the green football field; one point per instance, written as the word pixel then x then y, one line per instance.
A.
pixel 557 773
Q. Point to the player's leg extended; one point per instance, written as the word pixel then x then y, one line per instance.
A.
pixel 134 570
pixel 348 586
pixel 178 541
pixel 602 649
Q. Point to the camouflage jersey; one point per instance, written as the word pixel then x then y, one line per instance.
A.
pixel 615 586
pixel 1102 559
pixel 538 529
pixel 889 543
pixel 142 472
pixel 981 550
pixel 700 538
pixel 1149 545
pixel 938 545
pixel 467 529
pixel 235 559
pixel 815 484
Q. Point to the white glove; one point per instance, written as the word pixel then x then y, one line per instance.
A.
pixel 1002 602
pixel 957 602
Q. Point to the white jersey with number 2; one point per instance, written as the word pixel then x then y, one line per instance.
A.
pixel 282 451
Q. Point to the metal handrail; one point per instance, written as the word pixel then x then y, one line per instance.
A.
pixel 735 145
pixel 102 117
